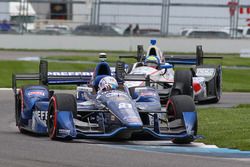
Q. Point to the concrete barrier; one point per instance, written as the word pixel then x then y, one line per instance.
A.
pixel 120 43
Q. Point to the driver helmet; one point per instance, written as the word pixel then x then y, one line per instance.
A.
pixel 152 61
pixel 107 83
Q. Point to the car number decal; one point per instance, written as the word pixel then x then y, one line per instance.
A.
pixel 125 105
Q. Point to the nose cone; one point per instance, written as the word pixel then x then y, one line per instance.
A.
pixel 133 123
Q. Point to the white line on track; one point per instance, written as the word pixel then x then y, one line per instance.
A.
pixel 5 88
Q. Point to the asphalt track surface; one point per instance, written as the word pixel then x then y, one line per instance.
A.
pixel 28 150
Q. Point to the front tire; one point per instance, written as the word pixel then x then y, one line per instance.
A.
pixel 59 102
pixel 175 107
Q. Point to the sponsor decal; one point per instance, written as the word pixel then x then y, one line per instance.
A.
pixel 36 93
pixel 64 131
pixel 199 79
pixel 148 94
pixel 70 73
pixel 205 72
pixel 115 94
pixel 42 115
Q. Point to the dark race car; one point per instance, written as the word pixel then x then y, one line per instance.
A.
pixel 101 108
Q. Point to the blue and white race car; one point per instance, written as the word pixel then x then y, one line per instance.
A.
pixel 101 108
pixel 203 82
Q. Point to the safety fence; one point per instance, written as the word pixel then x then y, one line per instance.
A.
pixel 194 18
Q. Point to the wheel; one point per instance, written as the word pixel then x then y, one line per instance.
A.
pixel 183 83
pixel 59 102
pixel 178 104
pixel 19 109
pixel 175 107
pixel 24 104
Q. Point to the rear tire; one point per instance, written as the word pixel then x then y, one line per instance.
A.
pixel 19 102
pixel 183 83
pixel 21 105
pixel 175 107
pixel 59 102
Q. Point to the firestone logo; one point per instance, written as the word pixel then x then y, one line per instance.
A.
pixel 36 93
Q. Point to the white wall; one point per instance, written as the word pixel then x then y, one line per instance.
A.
pixel 120 43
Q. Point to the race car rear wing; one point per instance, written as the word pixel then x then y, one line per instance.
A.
pixel 198 60
pixel 53 78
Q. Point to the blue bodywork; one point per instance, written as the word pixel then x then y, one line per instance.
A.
pixel 111 114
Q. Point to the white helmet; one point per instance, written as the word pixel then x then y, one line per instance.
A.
pixel 107 83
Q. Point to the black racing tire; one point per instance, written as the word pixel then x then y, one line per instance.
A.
pixel 175 107
pixel 178 104
pixel 183 83
pixel 59 102
pixel 19 105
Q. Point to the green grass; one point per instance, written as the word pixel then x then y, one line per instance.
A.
pixel 236 80
pixel 224 127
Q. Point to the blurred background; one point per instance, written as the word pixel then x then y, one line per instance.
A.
pixel 193 18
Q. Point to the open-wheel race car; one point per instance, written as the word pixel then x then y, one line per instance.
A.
pixel 201 81
pixel 101 108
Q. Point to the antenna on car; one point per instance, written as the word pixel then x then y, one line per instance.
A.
pixel 102 56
